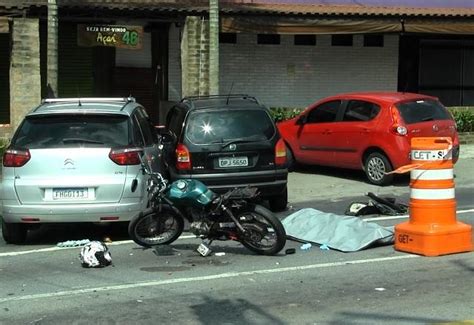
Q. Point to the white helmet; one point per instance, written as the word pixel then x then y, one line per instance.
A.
pixel 95 254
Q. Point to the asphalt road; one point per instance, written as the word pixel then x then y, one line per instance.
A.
pixel 43 284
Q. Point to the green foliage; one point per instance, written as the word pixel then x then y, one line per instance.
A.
pixel 3 145
pixel 284 113
pixel 464 117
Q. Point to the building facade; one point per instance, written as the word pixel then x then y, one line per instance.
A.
pixel 286 53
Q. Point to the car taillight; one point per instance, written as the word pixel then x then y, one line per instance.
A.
pixel 183 158
pixel 280 153
pixel 125 156
pixel 397 126
pixel 15 157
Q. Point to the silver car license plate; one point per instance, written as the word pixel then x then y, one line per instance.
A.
pixel 70 193
pixel 233 162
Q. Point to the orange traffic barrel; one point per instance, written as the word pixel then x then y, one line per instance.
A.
pixel 432 229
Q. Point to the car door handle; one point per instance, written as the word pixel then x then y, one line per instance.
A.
pixel 327 131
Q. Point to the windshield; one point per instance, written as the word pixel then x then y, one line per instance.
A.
pixel 72 131
pixel 222 126
pixel 422 110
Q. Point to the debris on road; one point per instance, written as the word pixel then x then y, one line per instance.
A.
pixel 73 243
pixel 306 246
pixel 377 205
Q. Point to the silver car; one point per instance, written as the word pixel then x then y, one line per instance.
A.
pixel 76 160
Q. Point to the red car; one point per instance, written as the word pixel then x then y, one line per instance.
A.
pixel 369 131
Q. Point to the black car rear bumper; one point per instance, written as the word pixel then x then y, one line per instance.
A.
pixel 269 183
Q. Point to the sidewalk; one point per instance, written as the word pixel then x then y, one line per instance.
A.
pixel 467 151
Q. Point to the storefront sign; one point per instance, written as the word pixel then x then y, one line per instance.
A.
pixel 128 37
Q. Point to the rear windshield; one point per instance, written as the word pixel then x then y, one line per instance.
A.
pixel 422 110
pixel 73 131
pixel 217 126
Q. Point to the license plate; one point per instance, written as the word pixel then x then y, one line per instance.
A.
pixel 70 193
pixel 233 162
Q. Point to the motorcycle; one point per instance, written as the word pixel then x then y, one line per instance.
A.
pixel 230 216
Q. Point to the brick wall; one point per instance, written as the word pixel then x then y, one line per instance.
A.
pixel 25 80
pixel 195 57
pixel 286 75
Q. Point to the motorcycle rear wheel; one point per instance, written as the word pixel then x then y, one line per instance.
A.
pixel 152 227
pixel 265 234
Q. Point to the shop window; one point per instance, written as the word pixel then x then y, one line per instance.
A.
pixel 373 40
pixel 135 58
pixel 305 40
pixel 268 39
pixel 341 40
pixel 228 38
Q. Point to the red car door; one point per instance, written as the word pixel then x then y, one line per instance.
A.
pixel 313 138
pixel 353 134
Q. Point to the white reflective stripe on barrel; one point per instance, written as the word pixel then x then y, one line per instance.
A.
pixel 437 194
pixel 431 174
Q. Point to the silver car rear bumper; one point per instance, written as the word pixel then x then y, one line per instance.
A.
pixel 12 212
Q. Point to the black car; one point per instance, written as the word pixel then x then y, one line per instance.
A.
pixel 226 141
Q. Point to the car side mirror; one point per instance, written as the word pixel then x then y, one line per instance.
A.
pixel 301 120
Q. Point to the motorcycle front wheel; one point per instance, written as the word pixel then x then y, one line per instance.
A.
pixel 264 233
pixel 152 227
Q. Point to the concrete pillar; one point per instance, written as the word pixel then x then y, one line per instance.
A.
pixel 25 78
pixel 52 70
pixel 195 57
pixel 214 47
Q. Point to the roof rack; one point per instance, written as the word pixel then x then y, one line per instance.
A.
pixel 89 99
pixel 245 96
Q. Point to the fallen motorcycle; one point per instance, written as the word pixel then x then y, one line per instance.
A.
pixel 231 216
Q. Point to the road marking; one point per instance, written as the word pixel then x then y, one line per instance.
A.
pixel 52 249
pixel 201 278
pixel 122 242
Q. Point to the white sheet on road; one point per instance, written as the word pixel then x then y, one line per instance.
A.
pixel 343 233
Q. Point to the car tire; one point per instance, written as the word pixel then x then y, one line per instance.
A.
pixel 376 166
pixel 290 160
pixel 279 202
pixel 14 233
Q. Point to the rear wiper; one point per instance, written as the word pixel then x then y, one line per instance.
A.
pixel 237 140
pixel 80 140
pixel 428 118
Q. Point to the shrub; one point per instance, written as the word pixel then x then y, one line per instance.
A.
pixel 3 145
pixel 464 117
pixel 284 113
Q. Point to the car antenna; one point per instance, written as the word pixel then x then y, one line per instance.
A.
pixel 230 92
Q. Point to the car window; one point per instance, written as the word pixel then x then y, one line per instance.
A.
pixel 422 110
pixel 325 112
pixel 145 126
pixel 72 131
pixel 174 121
pixel 204 127
pixel 137 134
pixel 358 110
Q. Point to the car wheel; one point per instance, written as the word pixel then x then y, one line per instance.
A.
pixel 376 167
pixel 290 160
pixel 14 233
pixel 279 202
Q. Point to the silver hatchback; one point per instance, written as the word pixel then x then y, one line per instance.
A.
pixel 76 160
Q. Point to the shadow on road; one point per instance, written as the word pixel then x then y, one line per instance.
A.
pixel 349 174
pixel 47 234
pixel 232 311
